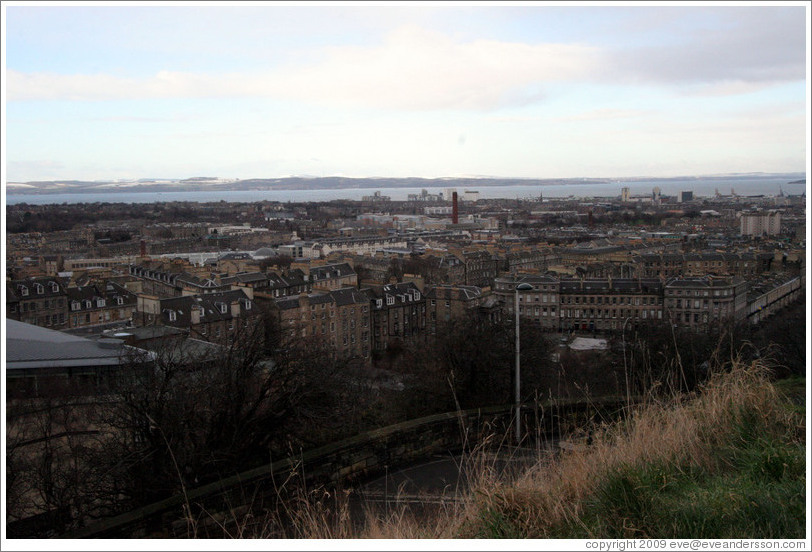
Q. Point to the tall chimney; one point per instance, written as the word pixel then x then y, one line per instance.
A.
pixel 455 212
pixel 143 248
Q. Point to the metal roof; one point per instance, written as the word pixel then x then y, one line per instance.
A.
pixel 29 346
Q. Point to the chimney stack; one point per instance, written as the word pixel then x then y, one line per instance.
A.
pixel 143 248
pixel 455 213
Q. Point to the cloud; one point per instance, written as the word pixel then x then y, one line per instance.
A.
pixel 736 51
pixel 411 69
pixel 605 114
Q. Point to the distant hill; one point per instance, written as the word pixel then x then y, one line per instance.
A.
pixel 336 182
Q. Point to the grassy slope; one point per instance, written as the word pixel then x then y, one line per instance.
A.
pixel 729 463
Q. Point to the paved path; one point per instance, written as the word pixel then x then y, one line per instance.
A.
pixel 440 481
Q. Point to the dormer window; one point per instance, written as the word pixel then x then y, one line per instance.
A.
pixel 54 287
pixel 23 291
pixel 40 289
pixel 390 300
pixel 379 303
pixel 248 305
pixel 119 300
pixel 75 305
pixel 417 296
pixel 101 302
pixel 88 304
pixel 223 308
pixel 173 316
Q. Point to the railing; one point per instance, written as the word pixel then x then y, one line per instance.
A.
pixel 354 459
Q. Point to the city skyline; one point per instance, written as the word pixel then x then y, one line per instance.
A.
pixel 395 90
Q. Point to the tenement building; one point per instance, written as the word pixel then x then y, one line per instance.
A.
pixel 698 301
pixel 398 314
pixel 610 304
pixel 338 319
pixel 38 301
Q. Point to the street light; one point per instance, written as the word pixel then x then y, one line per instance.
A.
pixel 521 287
pixel 625 368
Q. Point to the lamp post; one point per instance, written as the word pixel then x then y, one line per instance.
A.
pixel 518 398
pixel 625 367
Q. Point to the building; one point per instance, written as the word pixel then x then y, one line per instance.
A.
pixel 165 283
pixel 761 223
pixel 540 304
pixel 398 314
pixel 610 304
pixel 214 317
pixel 697 302
pixel 764 300
pixel 38 301
pixel 333 276
pixel 43 362
pixel 444 303
pixel 100 305
pixel 665 264
pixel 685 196
pixel 339 319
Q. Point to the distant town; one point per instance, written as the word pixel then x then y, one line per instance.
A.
pixel 439 254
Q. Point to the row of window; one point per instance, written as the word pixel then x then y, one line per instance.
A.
pixel 39 288
pixel 615 300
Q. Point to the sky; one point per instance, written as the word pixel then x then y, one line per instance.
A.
pixel 528 90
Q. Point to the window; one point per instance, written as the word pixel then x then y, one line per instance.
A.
pixel 54 287
pixel 23 291
pixel 390 300
pixel 119 300
pixel 88 304
pixel 223 308
pixel 40 288
pixel 248 305
pixel 173 316
pixel 101 302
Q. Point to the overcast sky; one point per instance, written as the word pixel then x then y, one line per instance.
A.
pixel 537 91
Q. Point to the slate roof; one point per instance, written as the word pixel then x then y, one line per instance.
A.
pixel 210 303
pixel 618 285
pixel 14 288
pixel 459 293
pixel 325 272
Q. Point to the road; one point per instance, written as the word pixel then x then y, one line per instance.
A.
pixel 441 481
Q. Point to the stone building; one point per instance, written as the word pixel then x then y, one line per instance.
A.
pixel 338 319
pixel 398 314
pixel 213 317
pixel 99 305
pixel 38 301
pixel 444 303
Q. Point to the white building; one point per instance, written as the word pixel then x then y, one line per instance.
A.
pixel 760 224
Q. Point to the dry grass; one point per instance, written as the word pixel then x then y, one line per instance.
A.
pixel 552 498
pixel 682 431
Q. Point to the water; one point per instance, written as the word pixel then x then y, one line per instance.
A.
pixel 760 185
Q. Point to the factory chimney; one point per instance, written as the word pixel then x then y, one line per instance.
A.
pixel 455 213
